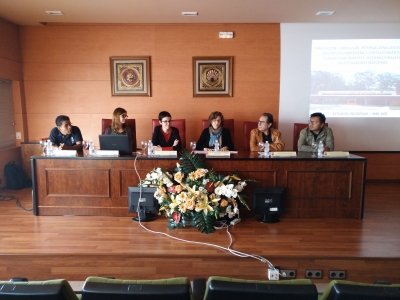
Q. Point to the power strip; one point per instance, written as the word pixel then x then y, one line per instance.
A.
pixel 273 274
pixel 235 221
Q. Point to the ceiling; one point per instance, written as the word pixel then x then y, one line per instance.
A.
pixel 32 12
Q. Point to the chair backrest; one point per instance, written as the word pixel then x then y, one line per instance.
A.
pixel 228 124
pixel 58 289
pixel 344 290
pixel 105 123
pixel 247 127
pixel 296 133
pixel 178 123
pixel 97 288
pixel 230 288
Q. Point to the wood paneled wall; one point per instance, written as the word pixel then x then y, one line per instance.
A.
pixel 11 69
pixel 382 165
pixel 10 56
pixel 66 71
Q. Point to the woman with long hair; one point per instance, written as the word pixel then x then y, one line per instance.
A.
pixel 118 125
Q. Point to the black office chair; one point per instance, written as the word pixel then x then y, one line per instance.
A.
pixel 58 289
pixel 98 288
pixel 238 289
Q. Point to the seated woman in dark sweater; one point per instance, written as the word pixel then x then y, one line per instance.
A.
pixel 166 137
pixel 215 132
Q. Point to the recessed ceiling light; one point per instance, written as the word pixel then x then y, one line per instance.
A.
pixel 226 35
pixel 189 13
pixel 325 13
pixel 54 12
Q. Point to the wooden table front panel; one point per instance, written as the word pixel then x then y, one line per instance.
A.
pixel 326 188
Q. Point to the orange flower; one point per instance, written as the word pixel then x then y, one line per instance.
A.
pixel 199 173
pixel 178 188
pixel 190 203
pixel 224 203
pixel 179 176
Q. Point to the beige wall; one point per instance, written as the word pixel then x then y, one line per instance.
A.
pixel 66 71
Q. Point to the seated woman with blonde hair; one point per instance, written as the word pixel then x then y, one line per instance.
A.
pixel 118 126
pixel 215 132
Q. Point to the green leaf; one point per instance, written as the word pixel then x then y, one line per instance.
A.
pixel 203 223
pixel 242 201
pixel 190 162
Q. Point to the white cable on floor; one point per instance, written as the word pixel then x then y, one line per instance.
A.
pixel 234 252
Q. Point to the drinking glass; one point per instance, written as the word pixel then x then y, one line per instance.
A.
pixel 144 146
pixel 43 144
pixel 314 147
pixel 85 148
pixel 193 145
pixel 261 145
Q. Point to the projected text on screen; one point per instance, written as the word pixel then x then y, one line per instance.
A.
pixel 356 78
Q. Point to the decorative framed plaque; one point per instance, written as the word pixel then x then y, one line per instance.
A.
pixel 212 76
pixel 130 76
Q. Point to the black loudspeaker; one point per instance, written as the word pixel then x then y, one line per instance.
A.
pixel 269 202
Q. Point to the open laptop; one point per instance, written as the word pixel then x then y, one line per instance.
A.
pixel 115 142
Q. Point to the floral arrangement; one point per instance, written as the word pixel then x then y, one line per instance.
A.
pixel 196 195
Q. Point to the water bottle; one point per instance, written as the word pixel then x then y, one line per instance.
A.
pixel 216 146
pixel 49 148
pixel 320 148
pixel 91 148
pixel 266 149
pixel 149 148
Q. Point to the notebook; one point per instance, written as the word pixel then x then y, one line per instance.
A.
pixel 115 142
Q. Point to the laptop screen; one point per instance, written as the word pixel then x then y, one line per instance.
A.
pixel 115 142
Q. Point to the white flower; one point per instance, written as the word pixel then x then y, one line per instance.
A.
pixel 229 212
pixel 220 190
pixel 205 181
pixel 169 183
pixel 226 190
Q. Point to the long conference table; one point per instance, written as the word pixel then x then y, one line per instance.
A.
pixel 315 187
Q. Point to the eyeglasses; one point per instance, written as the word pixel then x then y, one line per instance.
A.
pixel 124 116
pixel 263 122
pixel 165 122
